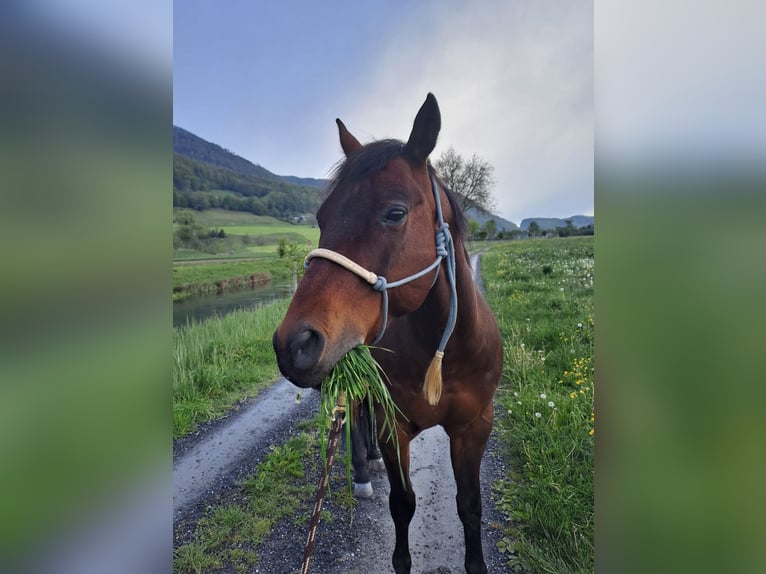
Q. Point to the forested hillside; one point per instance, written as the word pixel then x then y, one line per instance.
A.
pixel 202 186
pixel 205 176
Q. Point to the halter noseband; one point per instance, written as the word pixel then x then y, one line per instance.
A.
pixel 445 249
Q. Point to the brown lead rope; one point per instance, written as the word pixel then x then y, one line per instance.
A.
pixel 332 443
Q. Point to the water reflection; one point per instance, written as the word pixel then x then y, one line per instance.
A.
pixel 202 307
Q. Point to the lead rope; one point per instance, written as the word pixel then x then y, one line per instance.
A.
pixel 332 443
pixel 445 250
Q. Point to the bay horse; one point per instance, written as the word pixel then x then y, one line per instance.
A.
pixel 387 211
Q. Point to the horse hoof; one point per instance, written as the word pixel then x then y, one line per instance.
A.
pixel 376 465
pixel 363 490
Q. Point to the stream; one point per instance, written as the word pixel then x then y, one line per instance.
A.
pixel 201 307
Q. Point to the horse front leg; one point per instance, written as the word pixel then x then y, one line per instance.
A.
pixel 466 449
pixel 359 427
pixel 401 500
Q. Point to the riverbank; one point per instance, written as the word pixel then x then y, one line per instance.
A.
pixel 222 361
pixel 186 290
pixel 221 275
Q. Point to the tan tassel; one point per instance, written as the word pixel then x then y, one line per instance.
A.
pixel 432 387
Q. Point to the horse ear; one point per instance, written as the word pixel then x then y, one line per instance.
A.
pixel 425 130
pixel 347 141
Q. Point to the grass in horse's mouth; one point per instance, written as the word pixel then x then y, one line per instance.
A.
pixel 357 377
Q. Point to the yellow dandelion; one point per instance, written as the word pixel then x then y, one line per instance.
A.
pixel 591 432
pixel 572 395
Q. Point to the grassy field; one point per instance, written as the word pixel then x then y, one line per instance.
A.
pixel 211 271
pixel 542 294
pixel 226 218
pixel 247 235
pixel 250 246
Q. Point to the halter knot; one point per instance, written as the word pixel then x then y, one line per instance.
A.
pixel 380 284
pixel 443 239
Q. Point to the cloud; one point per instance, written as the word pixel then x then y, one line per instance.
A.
pixel 689 88
pixel 515 85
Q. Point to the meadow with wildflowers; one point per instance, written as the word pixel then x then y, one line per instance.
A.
pixel 542 294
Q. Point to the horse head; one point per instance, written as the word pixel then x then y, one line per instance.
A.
pixel 380 223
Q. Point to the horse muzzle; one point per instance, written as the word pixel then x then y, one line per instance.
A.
pixel 298 356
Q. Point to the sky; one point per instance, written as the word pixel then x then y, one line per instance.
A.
pixel 514 82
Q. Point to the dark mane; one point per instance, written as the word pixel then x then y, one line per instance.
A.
pixel 373 157
pixel 369 159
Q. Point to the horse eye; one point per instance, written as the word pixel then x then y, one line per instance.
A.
pixel 395 215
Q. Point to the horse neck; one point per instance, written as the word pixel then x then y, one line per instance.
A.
pixel 467 320
pixel 436 307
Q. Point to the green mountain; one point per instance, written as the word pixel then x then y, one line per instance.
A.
pixel 205 176
pixel 194 147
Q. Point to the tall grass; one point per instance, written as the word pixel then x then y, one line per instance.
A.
pixel 221 360
pixel 542 294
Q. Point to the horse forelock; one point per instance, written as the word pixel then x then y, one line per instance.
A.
pixel 372 158
pixel 368 160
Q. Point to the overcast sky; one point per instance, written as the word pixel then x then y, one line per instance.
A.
pixel 514 81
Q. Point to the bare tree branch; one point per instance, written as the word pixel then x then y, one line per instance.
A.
pixel 471 181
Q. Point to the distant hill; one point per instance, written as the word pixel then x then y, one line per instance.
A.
pixel 481 217
pixel 206 176
pixel 194 147
pixel 310 181
pixel 554 222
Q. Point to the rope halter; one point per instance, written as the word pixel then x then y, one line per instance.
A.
pixel 445 250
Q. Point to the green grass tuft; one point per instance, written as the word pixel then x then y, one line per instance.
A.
pixel 357 377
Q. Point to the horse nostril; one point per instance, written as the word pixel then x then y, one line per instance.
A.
pixel 306 347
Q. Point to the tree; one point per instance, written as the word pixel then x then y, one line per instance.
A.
pixel 473 228
pixel 490 227
pixel 533 229
pixel 471 181
pixel 294 255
